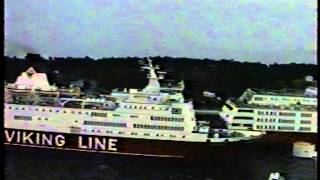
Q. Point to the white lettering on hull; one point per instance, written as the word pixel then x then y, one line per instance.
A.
pixel 97 143
pixel 59 140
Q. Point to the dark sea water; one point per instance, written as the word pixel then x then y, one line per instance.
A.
pixel 250 163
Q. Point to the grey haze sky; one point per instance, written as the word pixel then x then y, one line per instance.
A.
pixel 247 30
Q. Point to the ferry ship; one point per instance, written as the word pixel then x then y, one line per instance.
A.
pixel 289 111
pixel 153 121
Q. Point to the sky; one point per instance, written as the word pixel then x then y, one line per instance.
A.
pixel 281 31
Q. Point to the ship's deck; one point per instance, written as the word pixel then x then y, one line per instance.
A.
pixel 243 104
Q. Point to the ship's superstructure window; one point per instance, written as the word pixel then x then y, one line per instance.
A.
pixel 258 98
pixel 286 121
pixel 133 116
pixel 98 123
pixel 286 114
pixel 116 115
pixel 157 118
pixel 26 118
pixel 304 128
pixel 229 107
pixel 285 128
pixel 176 111
pixel 306 115
pixel 305 122
pixel 75 129
pixel 146 126
pixel 97 114
pixel 246 110
pixel 243 118
pixel 247 125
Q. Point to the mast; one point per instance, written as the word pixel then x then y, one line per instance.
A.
pixel 153 84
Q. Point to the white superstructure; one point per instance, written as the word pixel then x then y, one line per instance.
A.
pixel 283 111
pixel 151 113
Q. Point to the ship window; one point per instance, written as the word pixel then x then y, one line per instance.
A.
pixel 246 110
pixel 145 107
pixel 43 110
pixel 247 125
pixel 242 118
pixel 22 108
pixel 176 111
pixel 134 133
pixel 57 110
pixel 306 115
pixel 10 107
pixel 16 108
pixel 75 121
pixel 97 114
pixel 27 118
pixel 305 122
pixel 64 111
pixel 229 106
pixel 286 121
pixel 99 123
pixel 72 112
pixel 285 128
pixel 36 109
pixel 183 136
pixel 258 98
pixel 50 110
pixel 173 136
pixel 260 113
pixel 39 118
pixel 116 115
pixel 304 128
pixel 45 118
pixel 146 134
pixel 109 132
pixel 133 116
pixel 79 112
pixel 152 107
pixel 286 114
pixel 121 132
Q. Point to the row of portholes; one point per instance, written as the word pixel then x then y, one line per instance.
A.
pixel 122 133
pixel 50 110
